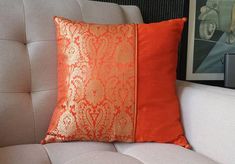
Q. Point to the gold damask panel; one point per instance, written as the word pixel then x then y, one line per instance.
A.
pixel 98 99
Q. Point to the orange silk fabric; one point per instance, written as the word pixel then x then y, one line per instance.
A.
pixel 117 83
pixel 96 76
pixel 158 116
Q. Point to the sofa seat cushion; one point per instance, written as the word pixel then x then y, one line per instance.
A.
pixel 20 154
pixel 90 152
pixel 60 153
pixel 103 157
pixel 157 153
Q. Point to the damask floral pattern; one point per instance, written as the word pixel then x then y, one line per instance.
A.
pixel 97 89
pixel 117 83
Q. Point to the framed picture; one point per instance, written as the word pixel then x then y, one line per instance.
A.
pixel 211 34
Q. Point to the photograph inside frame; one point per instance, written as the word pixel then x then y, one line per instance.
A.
pixel 211 36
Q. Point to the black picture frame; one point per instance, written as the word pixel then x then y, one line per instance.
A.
pixel 183 52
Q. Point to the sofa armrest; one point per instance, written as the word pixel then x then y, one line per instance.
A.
pixel 208 116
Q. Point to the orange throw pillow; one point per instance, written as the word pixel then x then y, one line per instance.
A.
pixel 117 83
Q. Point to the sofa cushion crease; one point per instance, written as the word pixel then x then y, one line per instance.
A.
pixel 101 157
pixel 60 153
pixel 152 153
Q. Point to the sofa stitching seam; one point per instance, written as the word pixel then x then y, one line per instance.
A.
pixel 79 5
pixel 127 154
pixel 25 38
pixel 133 157
pixel 47 153
pixel 30 73
pixel 115 147
pixel 44 90
pixel 54 89
pixel 31 42
pixel 12 40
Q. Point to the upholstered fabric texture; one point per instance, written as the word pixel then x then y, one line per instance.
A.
pixel 117 83
pixel 28 60
pixel 96 152
pixel 208 118
pixel 101 157
pixel 28 92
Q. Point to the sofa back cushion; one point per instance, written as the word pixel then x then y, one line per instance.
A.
pixel 28 60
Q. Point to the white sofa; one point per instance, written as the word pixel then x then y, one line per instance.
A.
pixel 28 91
